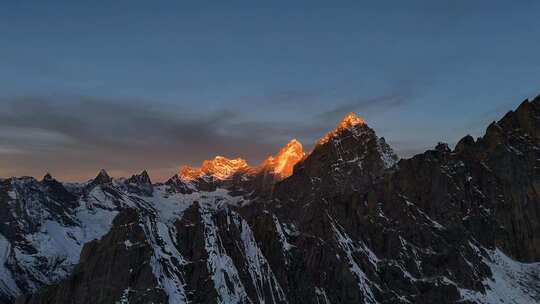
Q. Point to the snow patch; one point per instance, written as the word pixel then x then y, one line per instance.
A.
pixel 258 267
pixel 7 283
pixel 124 299
pixel 512 282
pixel 59 246
pixel 282 237
pixel 12 194
pixel 321 296
pixel 221 265
pixel 347 245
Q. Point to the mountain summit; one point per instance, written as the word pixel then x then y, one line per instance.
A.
pixel 351 120
pixel 281 165
pixel 219 167
pixel 238 174
pixel 350 123
pixel 102 178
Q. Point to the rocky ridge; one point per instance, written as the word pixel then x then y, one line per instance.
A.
pixel 348 224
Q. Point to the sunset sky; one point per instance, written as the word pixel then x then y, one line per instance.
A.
pixel 132 85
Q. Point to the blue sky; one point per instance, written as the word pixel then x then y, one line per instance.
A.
pixel 242 78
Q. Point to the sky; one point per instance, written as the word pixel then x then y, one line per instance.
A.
pixel 133 85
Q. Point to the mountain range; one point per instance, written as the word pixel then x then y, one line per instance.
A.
pixel 347 222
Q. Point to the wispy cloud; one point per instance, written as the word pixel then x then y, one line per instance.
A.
pixel 366 105
pixel 72 135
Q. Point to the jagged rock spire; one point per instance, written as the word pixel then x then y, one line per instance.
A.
pixel 48 177
pixel 141 178
pixel 102 178
pixel 140 183
pixel 144 177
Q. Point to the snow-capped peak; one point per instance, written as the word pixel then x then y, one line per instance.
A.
pixel 283 162
pixel 189 173
pixel 351 120
pixel 222 168
pixel 219 167
pixel 102 178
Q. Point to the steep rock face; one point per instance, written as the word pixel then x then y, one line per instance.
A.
pixel 424 221
pixel 349 158
pixel 225 263
pixel 44 226
pixel 191 237
pixel 489 185
pixel 115 269
pixel 350 225
pixel 511 151
pixel 140 184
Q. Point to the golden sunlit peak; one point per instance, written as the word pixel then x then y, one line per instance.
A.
pixel 294 142
pixel 351 120
pixel 189 173
pixel 219 167
pixel 348 122
pixel 282 164
pixel 223 163
pixel 293 147
pixel 222 168
pixel 238 160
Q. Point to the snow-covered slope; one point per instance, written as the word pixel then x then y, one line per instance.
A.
pixel 44 229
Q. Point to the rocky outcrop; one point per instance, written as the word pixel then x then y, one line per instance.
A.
pixel 102 178
pixel 140 184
